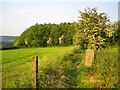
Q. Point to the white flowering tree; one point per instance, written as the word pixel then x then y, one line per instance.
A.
pixel 92 28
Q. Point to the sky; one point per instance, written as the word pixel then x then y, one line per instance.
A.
pixel 18 15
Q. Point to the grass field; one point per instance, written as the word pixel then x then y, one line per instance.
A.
pixel 104 72
pixel 16 64
pixel 60 67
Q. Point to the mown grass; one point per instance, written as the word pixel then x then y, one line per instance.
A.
pixel 61 67
pixel 16 64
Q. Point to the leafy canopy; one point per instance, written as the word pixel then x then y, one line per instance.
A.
pixel 92 28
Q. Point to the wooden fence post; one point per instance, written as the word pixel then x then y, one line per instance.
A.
pixel 34 71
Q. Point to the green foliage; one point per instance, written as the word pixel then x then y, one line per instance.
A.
pixel 91 30
pixel 37 35
pixel 9 47
pixel 113 33
pixel 106 68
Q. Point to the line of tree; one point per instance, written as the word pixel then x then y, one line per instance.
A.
pixel 47 35
pixel 93 30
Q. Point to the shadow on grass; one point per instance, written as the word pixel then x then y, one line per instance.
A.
pixel 64 74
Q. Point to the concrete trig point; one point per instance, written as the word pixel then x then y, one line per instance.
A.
pixel 61 39
pixel 89 57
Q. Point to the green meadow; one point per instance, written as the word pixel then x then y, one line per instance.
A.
pixel 60 67
pixel 16 64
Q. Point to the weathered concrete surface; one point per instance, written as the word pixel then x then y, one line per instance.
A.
pixel 89 57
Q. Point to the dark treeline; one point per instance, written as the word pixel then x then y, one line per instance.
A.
pixel 47 35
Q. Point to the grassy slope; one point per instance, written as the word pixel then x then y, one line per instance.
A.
pixel 103 73
pixel 106 68
pixel 16 64
pixel 57 69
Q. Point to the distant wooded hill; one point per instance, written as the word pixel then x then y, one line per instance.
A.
pixel 47 35
pixel 7 40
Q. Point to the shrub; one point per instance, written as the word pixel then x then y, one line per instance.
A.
pixel 9 47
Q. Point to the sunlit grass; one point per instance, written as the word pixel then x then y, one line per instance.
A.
pixel 16 64
pixel 104 71
pixel 60 67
